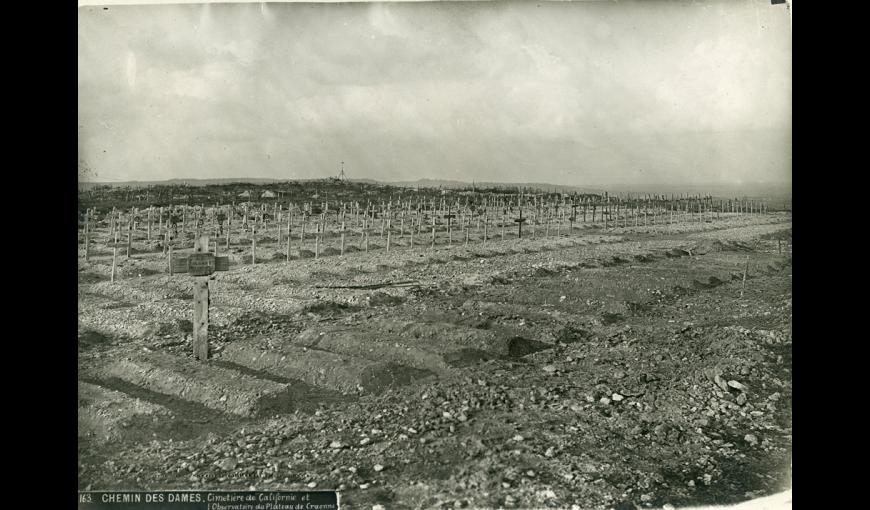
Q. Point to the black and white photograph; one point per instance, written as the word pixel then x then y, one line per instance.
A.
pixel 435 254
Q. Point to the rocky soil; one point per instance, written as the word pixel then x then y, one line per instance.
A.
pixel 623 369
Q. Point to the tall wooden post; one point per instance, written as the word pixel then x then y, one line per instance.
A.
pixel 485 233
pixel 411 231
pixel 342 238
pixel 200 307
pixel 289 237
pixel 389 227
pixel 433 230
pixel 253 244
pixel 502 226
pixel 114 256
pixel 87 239
pixel 317 242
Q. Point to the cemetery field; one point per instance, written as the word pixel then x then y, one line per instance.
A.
pixel 634 363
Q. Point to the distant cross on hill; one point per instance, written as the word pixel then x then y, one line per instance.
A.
pixel 341 176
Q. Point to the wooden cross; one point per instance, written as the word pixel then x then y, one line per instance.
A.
pixel 519 221
pixel 201 265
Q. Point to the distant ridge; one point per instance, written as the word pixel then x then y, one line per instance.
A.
pixel 206 182
pixel 422 183
pixel 753 188
pixel 450 184
pixel 717 189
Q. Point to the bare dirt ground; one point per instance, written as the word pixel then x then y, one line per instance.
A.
pixel 608 369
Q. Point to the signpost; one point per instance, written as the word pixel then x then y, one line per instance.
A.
pixel 201 265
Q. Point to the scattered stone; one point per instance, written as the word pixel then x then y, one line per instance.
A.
pixel 226 464
pixel 379 468
pixel 720 382
pixel 605 400
pixel 751 439
pixel 549 369
pixel 365 441
pixel 546 494
pixel 518 438
pixel 736 385
pixel 617 397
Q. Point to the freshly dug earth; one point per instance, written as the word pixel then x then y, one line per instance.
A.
pixel 103 413
pixel 321 368
pixel 212 386
pixel 636 372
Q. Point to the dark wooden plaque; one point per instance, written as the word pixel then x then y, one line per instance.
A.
pixel 201 264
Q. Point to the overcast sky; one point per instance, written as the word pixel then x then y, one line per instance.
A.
pixel 578 93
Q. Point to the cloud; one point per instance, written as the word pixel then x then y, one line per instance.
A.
pixel 566 91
